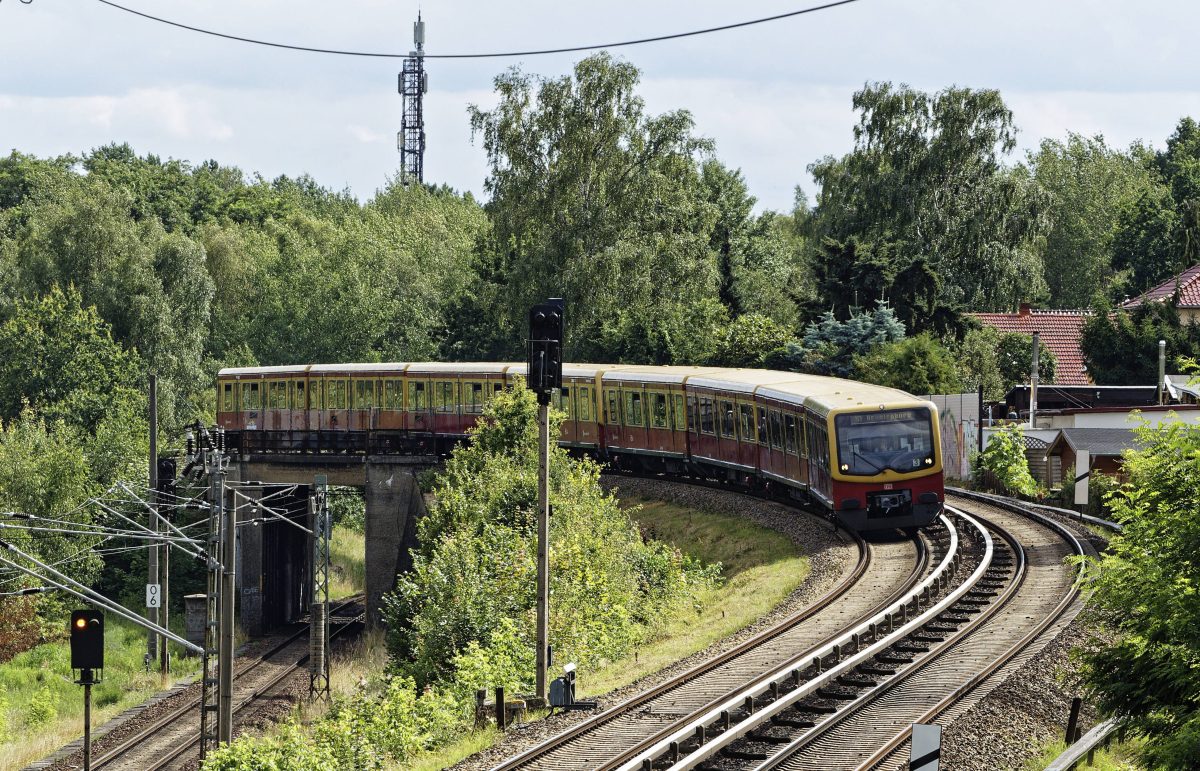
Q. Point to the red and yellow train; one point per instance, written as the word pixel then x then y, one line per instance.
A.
pixel 869 455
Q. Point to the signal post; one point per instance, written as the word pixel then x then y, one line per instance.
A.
pixel 545 375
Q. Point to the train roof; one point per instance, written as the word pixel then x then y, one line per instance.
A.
pixel 814 391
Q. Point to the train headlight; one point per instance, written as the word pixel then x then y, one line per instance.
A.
pixel 929 461
pixel 845 467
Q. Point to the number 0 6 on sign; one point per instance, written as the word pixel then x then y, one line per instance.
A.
pixel 153 596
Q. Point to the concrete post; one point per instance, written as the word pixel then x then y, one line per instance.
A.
pixel 393 506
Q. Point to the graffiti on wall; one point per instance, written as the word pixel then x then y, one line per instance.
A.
pixel 958 416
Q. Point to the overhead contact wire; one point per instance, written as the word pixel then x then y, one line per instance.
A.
pixel 492 55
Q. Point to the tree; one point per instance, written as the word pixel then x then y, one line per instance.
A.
pixel 594 201
pixel 748 341
pixel 999 360
pixel 1144 586
pixel 923 211
pixel 829 346
pixel 1004 457
pixel 918 365
pixel 1121 348
pixel 1090 186
pixel 59 358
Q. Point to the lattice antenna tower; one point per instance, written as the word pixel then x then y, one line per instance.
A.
pixel 414 83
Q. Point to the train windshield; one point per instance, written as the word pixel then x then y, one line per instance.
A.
pixel 871 442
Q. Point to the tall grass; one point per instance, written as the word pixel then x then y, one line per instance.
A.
pixel 41 707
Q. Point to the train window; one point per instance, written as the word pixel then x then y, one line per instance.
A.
pixel 707 425
pixel 583 403
pixel 227 400
pixel 746 423
pixel 418 400
pixel 276 395
pixel 776 430
pixel 473 398
pixel 393 395
pixel 790 434
pixel 614 407
pixel 728 430
pixel 250 398
pixel 445 395
pixel 299 396
pixel 658 411
pixel 762 426
pixel 681 423
pixel 562 400
pixel 335 394
pixel 693 415
pixel 634 414
pixel 364 394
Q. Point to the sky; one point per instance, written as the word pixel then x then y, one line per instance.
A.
pixel 77 74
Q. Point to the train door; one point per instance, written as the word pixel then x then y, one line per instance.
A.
pixel 585 413
pixel 775 440
pixel 391 404
pixel 473 396
pixel 658 409
pixel 251 404
pixel 633 411
pixel 762 437
pixel 445 407
pixel 791 441
pixel 362 405
pixel 420 407
pixel 612 416
pixel 747 435
pixel 727 448
pixel 297 405
pixel 229 404
pixel 706 437
pixel 337 403
pixel 564 400
pixel 274 404
pixel 817 436
pixel 679 424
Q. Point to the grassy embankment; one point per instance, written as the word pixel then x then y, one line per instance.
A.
pixel 1118 757
pixel 41 707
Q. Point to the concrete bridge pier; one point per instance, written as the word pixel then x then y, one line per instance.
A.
pixel 394 504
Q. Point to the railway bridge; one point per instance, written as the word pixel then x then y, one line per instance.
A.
pixel 274 562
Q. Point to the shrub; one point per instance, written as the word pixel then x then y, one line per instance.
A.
pixel 41 709
pixel 1005 458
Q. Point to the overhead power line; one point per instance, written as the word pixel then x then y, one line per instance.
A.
pixel 491 55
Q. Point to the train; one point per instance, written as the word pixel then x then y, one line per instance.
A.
pixel 868 456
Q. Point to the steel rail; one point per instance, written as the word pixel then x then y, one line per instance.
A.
pixel 853 708
pixel 825 677
pixel 178 713
pixel 864 561
pixel 900 738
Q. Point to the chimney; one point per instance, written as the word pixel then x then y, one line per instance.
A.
pixel 1025 309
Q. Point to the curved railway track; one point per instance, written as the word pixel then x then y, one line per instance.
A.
pixel 884 572
pixel 850 706
pixel 170 739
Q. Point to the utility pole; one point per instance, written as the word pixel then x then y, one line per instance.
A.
pixel 228 594
pixel 152 613
pixel 413 86
pixel 318 635
pixel 1033 383
pixel 1162 368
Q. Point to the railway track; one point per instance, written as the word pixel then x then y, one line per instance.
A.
pixel 846 699
pixel 885 573
pixel 172 739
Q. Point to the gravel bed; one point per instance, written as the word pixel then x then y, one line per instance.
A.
pixel 1030 708
pixel 830 553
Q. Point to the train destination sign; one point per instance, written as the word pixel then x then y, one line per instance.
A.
pixel 888 416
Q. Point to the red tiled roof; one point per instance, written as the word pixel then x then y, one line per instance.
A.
pixel 1060 331
pixel 1188 283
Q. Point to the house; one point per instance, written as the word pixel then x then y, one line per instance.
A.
pixel 1186 284
pixel 1060 331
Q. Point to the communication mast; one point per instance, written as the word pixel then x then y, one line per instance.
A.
pixel 414 83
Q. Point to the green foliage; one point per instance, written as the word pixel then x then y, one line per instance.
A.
pixel 922 213
pixel 1101 488
pixel 829 346
pixel 40 710
pixel 749 339
pixel 918 365
pixel 1005 458
pixel 1000 360
pixel 476 566
pixel 1121 348
pixel 1145 586
pixel 348 508
pixel 1090 187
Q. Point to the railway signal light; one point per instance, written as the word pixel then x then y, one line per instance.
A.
pixel 87 639
pixel 545 348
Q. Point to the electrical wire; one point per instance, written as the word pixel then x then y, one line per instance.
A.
pixel 493 55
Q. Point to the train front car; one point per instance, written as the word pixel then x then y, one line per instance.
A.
pixel 886 466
